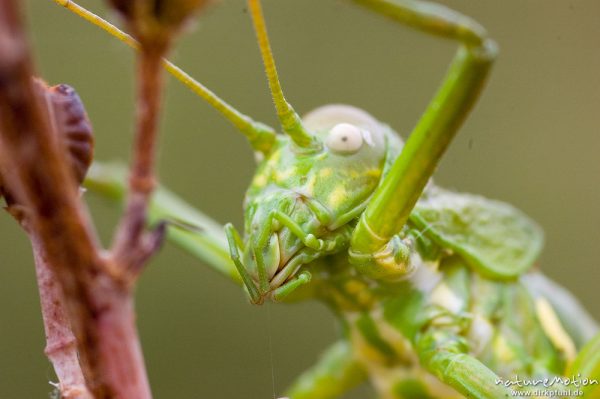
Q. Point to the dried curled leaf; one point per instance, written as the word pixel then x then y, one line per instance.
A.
pixel 494 238
pixel 70 122
pixel 154 22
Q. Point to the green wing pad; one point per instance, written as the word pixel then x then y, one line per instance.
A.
pixel 495 239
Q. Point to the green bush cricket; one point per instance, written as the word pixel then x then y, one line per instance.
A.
pixel 398 248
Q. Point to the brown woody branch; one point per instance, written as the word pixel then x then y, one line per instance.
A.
pixel 154 24
pixel 34 166
pixel 93 298
pixel 61 345
pixel 133 245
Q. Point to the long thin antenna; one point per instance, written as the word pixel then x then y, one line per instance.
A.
pixel 290 121
pixel 261 136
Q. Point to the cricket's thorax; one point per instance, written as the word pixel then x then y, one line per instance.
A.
pixel 384 350
pixel 500 323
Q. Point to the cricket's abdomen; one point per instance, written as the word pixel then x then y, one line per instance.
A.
pixel 450 307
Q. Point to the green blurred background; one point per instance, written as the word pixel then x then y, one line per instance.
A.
pixel 533 141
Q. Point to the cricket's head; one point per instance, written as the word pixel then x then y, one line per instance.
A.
pixel 310 187
pixel 303 204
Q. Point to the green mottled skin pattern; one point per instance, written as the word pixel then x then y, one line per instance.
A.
pixel 391 326
pixel 435 289
pixel 296 184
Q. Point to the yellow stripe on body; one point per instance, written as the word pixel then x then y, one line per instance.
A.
pixel 554 329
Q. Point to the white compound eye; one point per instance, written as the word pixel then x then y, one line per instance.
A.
pixel 344 138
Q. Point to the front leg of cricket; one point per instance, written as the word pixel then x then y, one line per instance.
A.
pixel 394 259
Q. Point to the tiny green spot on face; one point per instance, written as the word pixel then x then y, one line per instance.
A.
pixel 336 197
pixel 282 176
pixel 325 172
